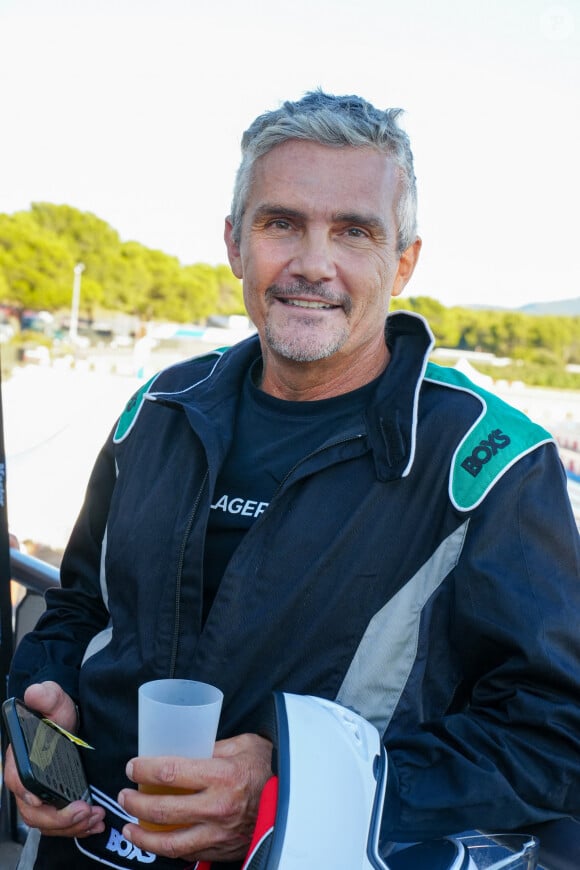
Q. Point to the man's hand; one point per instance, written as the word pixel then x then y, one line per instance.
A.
pixel 217 815
pixel 78 819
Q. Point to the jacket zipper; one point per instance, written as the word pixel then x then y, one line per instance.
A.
pixel 314 453
pixel 177 620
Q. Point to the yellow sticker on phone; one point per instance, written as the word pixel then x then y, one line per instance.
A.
pixel 72 737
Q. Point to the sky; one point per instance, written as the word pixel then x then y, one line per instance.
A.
pixel 134 110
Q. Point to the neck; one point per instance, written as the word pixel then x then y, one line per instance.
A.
pixel 322 379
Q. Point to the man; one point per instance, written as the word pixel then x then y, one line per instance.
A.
pixel 317 510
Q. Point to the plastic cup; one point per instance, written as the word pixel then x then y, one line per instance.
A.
pixel 177 717
pixel 502 851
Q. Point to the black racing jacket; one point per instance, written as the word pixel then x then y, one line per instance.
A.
pixel 422 569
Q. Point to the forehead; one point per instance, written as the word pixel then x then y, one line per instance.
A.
pixel 319 178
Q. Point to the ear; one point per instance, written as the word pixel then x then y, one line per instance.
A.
pixel 407 263
pixel 233 249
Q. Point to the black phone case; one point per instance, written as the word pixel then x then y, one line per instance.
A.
pixel 48 763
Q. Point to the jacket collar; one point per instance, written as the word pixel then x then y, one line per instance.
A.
pixel 391 418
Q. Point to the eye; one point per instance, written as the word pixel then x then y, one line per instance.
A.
pixel 279 224
pixel 356 233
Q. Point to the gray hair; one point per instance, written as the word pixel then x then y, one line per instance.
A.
pixel 338 122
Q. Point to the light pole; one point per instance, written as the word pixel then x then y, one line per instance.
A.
pixel 76 296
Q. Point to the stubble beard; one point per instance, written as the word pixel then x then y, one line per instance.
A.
pixel 312 342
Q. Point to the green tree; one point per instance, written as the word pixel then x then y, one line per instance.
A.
pixel 230 293
pixel 39 248
pixel 443 324
pixel 192 295
pixel 91 241
pixel 36 264
pixel 163 275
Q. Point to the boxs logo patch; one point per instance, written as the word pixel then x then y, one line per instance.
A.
pixel 117 843
pixel 485 451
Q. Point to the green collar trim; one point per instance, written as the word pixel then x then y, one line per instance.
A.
pixel 498 439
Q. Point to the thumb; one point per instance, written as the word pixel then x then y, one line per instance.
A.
pixel 52 701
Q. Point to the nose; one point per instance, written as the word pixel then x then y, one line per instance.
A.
pixel 313 257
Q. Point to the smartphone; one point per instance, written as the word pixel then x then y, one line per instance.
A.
pixel 48 763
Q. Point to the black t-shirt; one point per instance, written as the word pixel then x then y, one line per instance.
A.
pixel 271 436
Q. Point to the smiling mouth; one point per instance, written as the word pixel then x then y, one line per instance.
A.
pixel 306 296
pixel 307 303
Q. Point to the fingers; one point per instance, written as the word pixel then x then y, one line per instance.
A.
pixel 15 785
pixel 172 790
pixel 11 777
pixel 239 769
pixel 166 811
pixel 78 819
pixel 53 702
pixel 213 813
pixel 195 843
pixel 189 774
pixel 75 820
pixel 195 825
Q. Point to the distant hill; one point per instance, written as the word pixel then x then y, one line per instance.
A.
pixel 558 308
pixel 561 307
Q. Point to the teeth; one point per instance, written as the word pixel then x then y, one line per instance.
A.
pixel 303 303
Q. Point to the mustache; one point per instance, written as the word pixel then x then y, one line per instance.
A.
pixel 307 290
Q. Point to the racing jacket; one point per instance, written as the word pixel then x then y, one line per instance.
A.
pixel 421 569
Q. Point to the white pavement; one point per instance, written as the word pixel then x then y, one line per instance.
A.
pixel 55 422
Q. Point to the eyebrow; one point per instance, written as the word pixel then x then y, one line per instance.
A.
pixel 356 218
pixel 364 220
pixel 272 209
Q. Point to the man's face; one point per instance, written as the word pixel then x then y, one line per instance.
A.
pixel 318 255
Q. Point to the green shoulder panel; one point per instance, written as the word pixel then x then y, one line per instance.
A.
pixel 131 411
pixel 499 438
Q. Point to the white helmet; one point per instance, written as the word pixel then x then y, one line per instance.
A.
pixel 324 809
